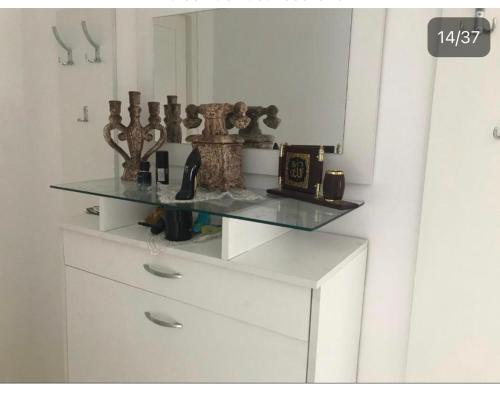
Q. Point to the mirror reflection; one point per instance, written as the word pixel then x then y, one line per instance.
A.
pixel 290 66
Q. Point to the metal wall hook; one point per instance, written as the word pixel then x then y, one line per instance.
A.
pixel 97 49
pixel 496 134
pixel 480 13
pixel 69 60
pixel 85 115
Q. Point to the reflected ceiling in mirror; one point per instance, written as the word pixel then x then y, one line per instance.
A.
pixel 296 59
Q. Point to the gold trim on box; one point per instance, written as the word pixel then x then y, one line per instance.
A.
pixel 334 172
pixel 321 154
pixel 282 149
pixel 318 190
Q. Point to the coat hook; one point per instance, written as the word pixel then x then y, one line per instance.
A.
pixel 85 115
pixel 97 48
pixel 496 135
pixel 480 13
pixel 69 60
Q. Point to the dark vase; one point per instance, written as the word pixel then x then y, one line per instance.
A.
pixel 333 185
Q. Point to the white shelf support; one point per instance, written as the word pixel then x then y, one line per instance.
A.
pixel 239 236
pixel 114 213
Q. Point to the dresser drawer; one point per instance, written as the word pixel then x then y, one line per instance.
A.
pixel 110 339
pixel 263 302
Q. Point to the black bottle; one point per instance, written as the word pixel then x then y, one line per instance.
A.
pixel 144 175
pixel 193 163
pixel 162 167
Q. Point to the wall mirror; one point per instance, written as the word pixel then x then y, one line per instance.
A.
pixel 321 68
pixel 296 59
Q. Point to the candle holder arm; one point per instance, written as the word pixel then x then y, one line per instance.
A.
pixel 148 136
pixel 107 136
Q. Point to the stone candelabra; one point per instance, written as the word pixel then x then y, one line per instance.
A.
pixel 252 134
pixel 135 134
pixel 173 120
pixel 220 151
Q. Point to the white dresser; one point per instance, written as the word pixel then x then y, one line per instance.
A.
pixel 288 310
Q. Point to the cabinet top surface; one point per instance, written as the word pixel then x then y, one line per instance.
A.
pixel 273 210
pixel 297 257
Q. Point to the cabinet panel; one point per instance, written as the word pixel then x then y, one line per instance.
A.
pixel 111 340
pixel 280 307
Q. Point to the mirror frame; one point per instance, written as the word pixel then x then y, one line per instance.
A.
pixel 134 71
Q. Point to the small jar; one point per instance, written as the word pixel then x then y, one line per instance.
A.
pixel 144 175
pixel 333 185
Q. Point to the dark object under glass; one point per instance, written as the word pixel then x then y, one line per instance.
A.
pixel 178 225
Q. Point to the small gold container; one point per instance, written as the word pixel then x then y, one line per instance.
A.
pixel 333 185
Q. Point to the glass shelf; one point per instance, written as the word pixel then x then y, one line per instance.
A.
pixel 274 210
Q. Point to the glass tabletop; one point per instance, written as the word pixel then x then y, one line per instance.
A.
pixel 269 209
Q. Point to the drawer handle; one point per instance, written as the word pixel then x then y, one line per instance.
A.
pixel 149 269
pixel 162 323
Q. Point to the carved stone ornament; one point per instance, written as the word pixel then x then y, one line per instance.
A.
pixel 252 134
pixel 173 120
pixel 220 151
pixel 134 133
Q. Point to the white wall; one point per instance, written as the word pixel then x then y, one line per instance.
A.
pixel 85 154
pixel 15 208
pixel 390 218
pixel 42 128
pixel 31 290
pixel 34 152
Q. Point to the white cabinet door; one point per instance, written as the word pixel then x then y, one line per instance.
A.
pixel 111 340
pixel 455 326
pixel 280 307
